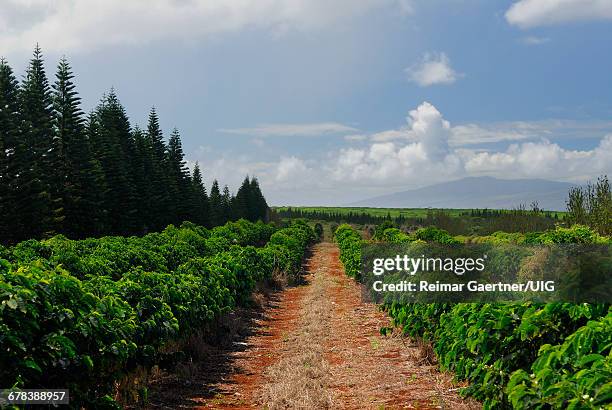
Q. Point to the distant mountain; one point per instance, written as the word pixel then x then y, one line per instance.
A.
pixel 477 192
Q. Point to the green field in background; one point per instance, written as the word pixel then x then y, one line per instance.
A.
pixel 394 212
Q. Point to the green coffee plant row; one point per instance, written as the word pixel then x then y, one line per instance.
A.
pixel 83 314
pixel 519 356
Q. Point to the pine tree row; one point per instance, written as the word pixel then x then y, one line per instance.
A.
pixel 64 172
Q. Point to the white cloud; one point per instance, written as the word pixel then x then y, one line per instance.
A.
pixel 430 130
pixel 292 130
pixel 472 133
pixel 533 13
pixel 535 40
pixel 543 159
pixel 425 151
pixel 74 25
pixel 434 68
pixel 291 169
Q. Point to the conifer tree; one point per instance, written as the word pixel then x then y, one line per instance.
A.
pixel 258 207
pixel 112 134
pixel 180 181
pixel 95 187
pixel 76 167
pixel 10 229
pixel 241 202
pixel 141 173
pixel 39 184
pixel 60 173
pixel 216 212
pixel 227 204
pixel 200 205
pixel 160 189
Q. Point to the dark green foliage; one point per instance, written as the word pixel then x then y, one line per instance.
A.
pixel 229 209
pixel 157 169
pixel 434 234
pixel 565 347
pixel 179 180
pixel 249 202
pixel 11 154
pixel 81 177
pixel 63 173
pixel 455 221
pixel 380 229
pixel 200 207
pixel 257 207
pixel 350 243
pixel 216 209
pixel 37 155
pixel 83 314
pixel 574 374
pixel 141 173
pixel 113 146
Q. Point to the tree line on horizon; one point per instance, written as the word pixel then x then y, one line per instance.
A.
pixel 468 222
pixel 62 171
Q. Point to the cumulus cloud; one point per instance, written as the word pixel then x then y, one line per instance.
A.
pixel 434 68
pixel 291 169
pixel 427 150
pixel 533 13
pixel 543 159
pixel 292 130
pixel 84 24
pixel 424 152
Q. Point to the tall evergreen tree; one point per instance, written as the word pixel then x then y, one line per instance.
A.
pixel 113 143
pixel 76 166
pixel 160 189
pixel 227 204
pixel 180 181
pixel 216 211
pixel 141 172
pixel 62 173
pixel 200 205
pixel 39 182
pixel 258 208
pixel 95 187
pixel 240 205
pixel 10 228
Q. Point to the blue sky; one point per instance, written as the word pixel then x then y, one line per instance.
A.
pixel 328 102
